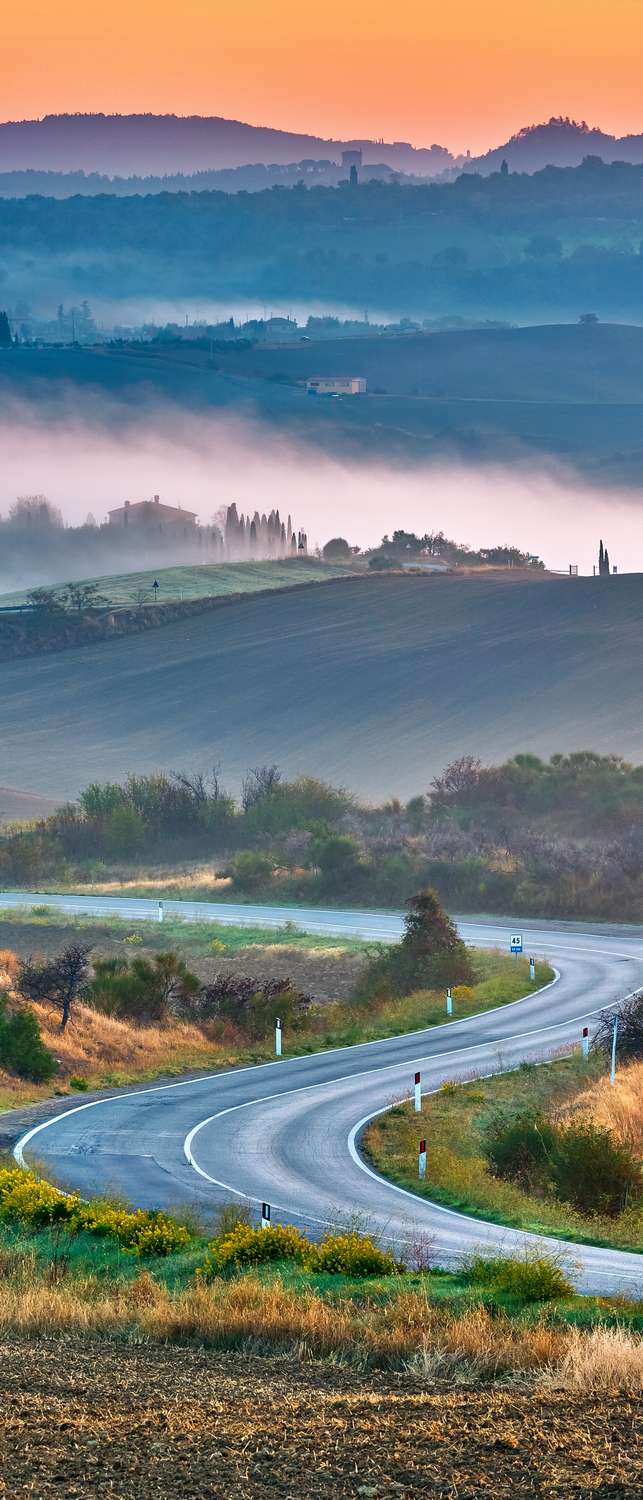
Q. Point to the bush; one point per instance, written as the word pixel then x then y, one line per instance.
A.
pixel 22 1050
pixel 142 990
pixel 351 1255
pixel 534 1277
pixel 253 1004
pixel 430 956
pixel 595 1173
pixel 245 1246
pixel 26 1199
pixel 629 1038
pixel 518 1147
pixel 252 870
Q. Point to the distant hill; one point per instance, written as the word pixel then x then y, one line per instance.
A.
pixel 559 142
pixel 375 685
pixel 142 144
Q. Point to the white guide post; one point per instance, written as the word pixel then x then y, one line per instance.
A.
pixel 417 1095
pixel 277 1037
pixel 422 1159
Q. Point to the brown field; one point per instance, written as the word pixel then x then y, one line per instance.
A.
pixel 149 1423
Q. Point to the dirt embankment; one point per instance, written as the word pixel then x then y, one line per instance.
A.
pixel 150 1423
pixel 32 633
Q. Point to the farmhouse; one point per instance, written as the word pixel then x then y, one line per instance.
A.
pixel 336 385
pixel 151 516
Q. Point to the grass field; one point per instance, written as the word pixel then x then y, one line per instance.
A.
pixel 210 580
pixel 481 666
pixel 457 1173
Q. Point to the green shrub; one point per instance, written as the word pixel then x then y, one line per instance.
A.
pixel 78 1083
pixel 534 1277
pixel 143 990
pixel 252 870
pixel 22 1050
pixel 518 1147
pixel 593 1171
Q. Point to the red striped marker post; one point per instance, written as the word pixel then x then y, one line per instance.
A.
pixel 585 1041
pixel 422 1159
pixel 449 1003
pixel 265 1216
pixel 418 1095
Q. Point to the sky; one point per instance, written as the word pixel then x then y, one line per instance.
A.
pixel 466 74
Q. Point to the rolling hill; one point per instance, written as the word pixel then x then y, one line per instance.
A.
pixel 203 581
pixel 375 685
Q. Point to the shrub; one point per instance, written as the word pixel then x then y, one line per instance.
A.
pixel 146 991
pixel 594 1172
pixel 630 1030
pixel 351 1255
pixel 253 1004
pixel 430 956
pixel 252 870
pixel 518 1147
pixel 534 1277
pixel 22 1050
pixel 27 1199
pixel 245 1246
pixel 78 1083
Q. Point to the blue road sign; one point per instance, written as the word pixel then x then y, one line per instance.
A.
pixel 515 942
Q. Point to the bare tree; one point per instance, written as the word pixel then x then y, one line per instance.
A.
pixel 259 782
pixel 58 981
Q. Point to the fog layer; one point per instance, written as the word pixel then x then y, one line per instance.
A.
pixel 84 464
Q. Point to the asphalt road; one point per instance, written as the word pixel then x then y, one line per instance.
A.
pixel 288 1132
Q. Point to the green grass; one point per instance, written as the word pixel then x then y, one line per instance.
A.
pixel 453 1121
pixel 64 1257
pixel 208 580
pixel 193 937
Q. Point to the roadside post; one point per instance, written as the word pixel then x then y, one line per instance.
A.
pixel 265 1216
pixel 277 1037
pixel 585 1042
pixel 449 1003
pixel 614 1036
pixel 418 1095
pixel 515 942
pixel 160 911
pixel 532 968
pixel 422 1159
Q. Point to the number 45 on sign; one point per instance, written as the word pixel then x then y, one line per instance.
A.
pixel 515 942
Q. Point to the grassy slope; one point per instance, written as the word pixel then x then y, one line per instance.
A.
pixel 209 580
pixel 482 665
pixel 456 1169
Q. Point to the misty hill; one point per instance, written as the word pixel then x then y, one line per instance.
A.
pixel 573 392
pixel 376 685
pixel 529 248
pixel 141 144
pixel 560 142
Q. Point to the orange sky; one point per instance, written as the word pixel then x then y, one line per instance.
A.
pixel 464 73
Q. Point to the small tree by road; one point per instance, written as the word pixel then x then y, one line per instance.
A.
pixel 58 981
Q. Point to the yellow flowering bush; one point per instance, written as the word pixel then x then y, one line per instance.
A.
pixel 245 1246
pixel 26 1199
pixel 349 1254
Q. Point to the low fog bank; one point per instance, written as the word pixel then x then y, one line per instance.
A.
pixel 91 461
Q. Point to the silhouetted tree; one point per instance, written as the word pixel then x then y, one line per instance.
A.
pixel 5 332
pixel 56 981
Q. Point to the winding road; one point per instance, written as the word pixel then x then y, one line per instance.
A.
pixel 288 1132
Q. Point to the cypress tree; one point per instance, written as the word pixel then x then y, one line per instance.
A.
pixel 5 332
pixel 601 560
pixel 606 563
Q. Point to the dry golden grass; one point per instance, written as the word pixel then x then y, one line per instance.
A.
pixel 408 1332
pixel 159 878
pixel 619 1109
pixel 97 1045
